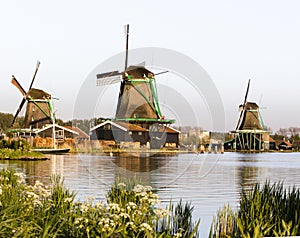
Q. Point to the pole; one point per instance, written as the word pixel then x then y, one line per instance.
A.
pixel 127 36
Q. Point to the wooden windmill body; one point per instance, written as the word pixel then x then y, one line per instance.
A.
pixel 38 110
pixel 138 100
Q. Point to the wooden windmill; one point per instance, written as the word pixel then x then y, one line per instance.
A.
pixel 138 100
pixel 250 131
pixel 39 110
pixel 39 115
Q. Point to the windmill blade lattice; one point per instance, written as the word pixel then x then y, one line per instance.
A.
pixel 109 78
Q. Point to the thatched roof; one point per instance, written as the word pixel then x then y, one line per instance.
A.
pixel 37 94
pixel 138 72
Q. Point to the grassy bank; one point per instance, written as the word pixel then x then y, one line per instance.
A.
pixel 130 210
pixel 18 149
pixel 6 154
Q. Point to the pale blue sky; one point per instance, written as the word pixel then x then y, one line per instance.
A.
pixel 232 40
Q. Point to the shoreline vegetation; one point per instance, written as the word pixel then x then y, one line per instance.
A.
pixel 130 210
pixel 21 150
pixel 18 150
pixel 134 210
pixel 11 154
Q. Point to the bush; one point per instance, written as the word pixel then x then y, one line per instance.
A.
pixel 15 145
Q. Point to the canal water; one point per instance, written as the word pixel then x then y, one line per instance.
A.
pixel 208 181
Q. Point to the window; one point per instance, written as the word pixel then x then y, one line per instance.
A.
pixel 140 133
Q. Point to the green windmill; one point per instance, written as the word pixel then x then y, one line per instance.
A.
pixel 138 102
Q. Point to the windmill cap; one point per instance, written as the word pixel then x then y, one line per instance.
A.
pixel 138 72
pixel 38 94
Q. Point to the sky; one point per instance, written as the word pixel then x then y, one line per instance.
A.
pixel 233 41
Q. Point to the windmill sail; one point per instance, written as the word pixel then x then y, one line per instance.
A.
pixel 109 78
pixel 16 83
pixel 242 107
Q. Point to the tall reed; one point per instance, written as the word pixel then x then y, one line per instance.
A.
pixel 267 210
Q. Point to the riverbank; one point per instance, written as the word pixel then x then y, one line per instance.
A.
pixel 11 154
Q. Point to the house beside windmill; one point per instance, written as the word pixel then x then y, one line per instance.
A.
pixel 138 120
pixel 250 133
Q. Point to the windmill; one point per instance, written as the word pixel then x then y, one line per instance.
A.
pixel 39 115
pixel 250 131
pixel 138 100
pixel 39 109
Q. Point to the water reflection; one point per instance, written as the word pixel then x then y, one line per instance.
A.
pixel 208 182
pixel 141 164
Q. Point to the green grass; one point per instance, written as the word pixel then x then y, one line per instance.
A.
pixel 19 154
pixel 17 149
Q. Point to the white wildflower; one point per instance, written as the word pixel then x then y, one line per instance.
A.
pixel 131 224
pixel 124 215
pixel 20 175
pixel 147 188
pixel 131 206
pixel 145 226
pixel 154 196
pixel 69 200
pixel 98 205
pixel 152 201
pixel 90 198
pixel 77 221
pixel 32 195
pixel 37 202
pixel 106 226
pixel 114 207
pixel 38 184
pixel 83 208
pixel 138 188
pixel 121 185
pixel 177 235
pixel 160 212
pixel 114 216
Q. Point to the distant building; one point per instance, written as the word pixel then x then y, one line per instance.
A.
pixel 284 145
